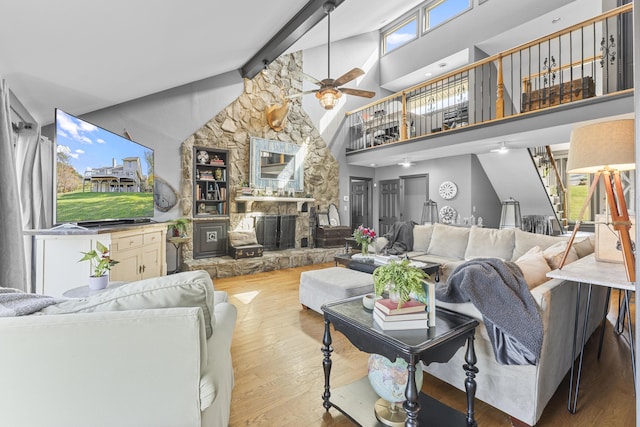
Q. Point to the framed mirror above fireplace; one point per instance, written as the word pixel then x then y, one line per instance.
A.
pixel 276 165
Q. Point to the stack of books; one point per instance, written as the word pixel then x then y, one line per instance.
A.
pixel 411 315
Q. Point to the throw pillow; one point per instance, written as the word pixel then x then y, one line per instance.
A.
pixel 490 243
pixel 242 238
pixel 583 247
pixel 526 240
pixel 448 241
pixel 422 237
pixel 554 253
pixel 188 289
pixel 534 267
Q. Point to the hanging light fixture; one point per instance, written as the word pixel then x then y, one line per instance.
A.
pixel 503 148
pixel 328 98
pixel 406 163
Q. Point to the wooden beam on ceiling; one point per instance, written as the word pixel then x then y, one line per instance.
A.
pixel 311 14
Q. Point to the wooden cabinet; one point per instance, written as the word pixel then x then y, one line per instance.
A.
pixel 141 255
pixel 140 250
pixel 210 177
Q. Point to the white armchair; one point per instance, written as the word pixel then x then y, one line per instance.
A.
pixel 131 367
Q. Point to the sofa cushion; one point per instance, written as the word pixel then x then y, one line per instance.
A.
pixel 448 241
pixel 534 267
pixel 422 237
pixel 553 254
pixel 526 240
pixel 188 289
pixel 490 243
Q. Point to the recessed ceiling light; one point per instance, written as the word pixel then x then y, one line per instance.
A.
pixel 373 165
pixel 428 74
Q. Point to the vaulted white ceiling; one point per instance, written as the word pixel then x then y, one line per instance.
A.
pixel 83 56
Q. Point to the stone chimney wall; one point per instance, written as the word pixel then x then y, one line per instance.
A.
pixel 232 128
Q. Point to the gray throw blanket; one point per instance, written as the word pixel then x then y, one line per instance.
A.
pixel 400 238
pixel 499 291
pixel 14 302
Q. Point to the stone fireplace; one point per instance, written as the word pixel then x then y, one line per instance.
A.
pixel 232 129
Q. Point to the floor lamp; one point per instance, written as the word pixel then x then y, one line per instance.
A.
pixel 604 149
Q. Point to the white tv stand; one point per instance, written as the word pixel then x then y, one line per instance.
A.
pixel 139 248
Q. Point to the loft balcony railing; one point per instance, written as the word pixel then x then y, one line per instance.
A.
pixel 590 59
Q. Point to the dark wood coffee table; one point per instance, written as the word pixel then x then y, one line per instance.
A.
pixel 437 344
pixel 368 265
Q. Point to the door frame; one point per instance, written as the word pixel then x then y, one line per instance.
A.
pixel 403 178
pixel 369 197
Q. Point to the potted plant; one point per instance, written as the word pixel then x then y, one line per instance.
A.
pixel 178 227
pixel 101 262
pixel 400 280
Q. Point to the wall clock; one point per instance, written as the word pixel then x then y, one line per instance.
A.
pixel 447 215
pixel 448 190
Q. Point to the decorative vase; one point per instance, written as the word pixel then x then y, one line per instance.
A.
pixel 97 283
pixel 365 248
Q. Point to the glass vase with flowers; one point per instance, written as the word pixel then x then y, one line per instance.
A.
pixel 364 237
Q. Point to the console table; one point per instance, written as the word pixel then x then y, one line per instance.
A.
pixel 591 272
pixel 436 344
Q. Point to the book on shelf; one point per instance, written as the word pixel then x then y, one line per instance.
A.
pixel 398 325
pixel 386 306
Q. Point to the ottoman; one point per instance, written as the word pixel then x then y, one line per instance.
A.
pixel 318 287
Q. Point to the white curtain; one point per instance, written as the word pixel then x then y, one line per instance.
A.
pixel 13 271
pixel 34 167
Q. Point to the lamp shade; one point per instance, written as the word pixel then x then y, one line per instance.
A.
pixel 606 145
pixel 328 97
pixel 430 213
pixel 510 217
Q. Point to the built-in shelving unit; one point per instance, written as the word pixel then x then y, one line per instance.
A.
pixel 210 177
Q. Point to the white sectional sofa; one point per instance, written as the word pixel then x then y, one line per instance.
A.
pixel 520 391
pixel 151 353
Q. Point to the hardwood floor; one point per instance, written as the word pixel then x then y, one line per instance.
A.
pixel 279 379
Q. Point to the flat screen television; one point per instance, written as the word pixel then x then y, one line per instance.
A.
pixel 100 177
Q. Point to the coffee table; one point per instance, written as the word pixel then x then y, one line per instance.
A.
pixel 368 265
pixel 436 344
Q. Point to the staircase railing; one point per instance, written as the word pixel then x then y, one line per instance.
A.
pixel 589 59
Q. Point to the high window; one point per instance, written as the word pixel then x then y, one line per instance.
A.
pixel 440 12
pixel 400 35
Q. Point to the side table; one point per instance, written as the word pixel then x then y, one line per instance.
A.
pixel 177 243
pixel 436 344
pixel 86 291
pixel 591 272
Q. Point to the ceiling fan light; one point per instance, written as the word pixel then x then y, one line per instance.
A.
pixel 328 98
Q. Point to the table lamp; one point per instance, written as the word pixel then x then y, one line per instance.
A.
pixel 604 149
pixel 510 217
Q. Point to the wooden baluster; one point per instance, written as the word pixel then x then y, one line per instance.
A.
pixel 404 125
pixel 500 89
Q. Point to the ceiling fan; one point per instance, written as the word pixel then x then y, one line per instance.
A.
pixel 330 90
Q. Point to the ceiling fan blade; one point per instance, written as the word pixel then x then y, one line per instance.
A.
pixel 357 92
pixel 306 76
pixel 348 76
pixel 299 94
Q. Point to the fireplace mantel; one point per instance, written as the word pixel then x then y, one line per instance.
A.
pixel 249 200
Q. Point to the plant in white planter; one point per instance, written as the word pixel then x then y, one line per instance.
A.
pixel 401 280
pixel 101 262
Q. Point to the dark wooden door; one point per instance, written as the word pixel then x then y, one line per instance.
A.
pixel 360 196
pixel 389 204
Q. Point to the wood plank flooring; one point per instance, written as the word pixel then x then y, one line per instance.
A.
pixel 279 379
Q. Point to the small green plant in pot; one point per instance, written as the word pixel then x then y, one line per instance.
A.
pixel 100 260
pixel 401 280
pixel 178 227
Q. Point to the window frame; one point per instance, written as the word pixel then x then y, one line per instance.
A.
pixel 428 8
pixel 386 33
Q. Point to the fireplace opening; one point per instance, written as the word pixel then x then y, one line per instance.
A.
pixel 276 231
